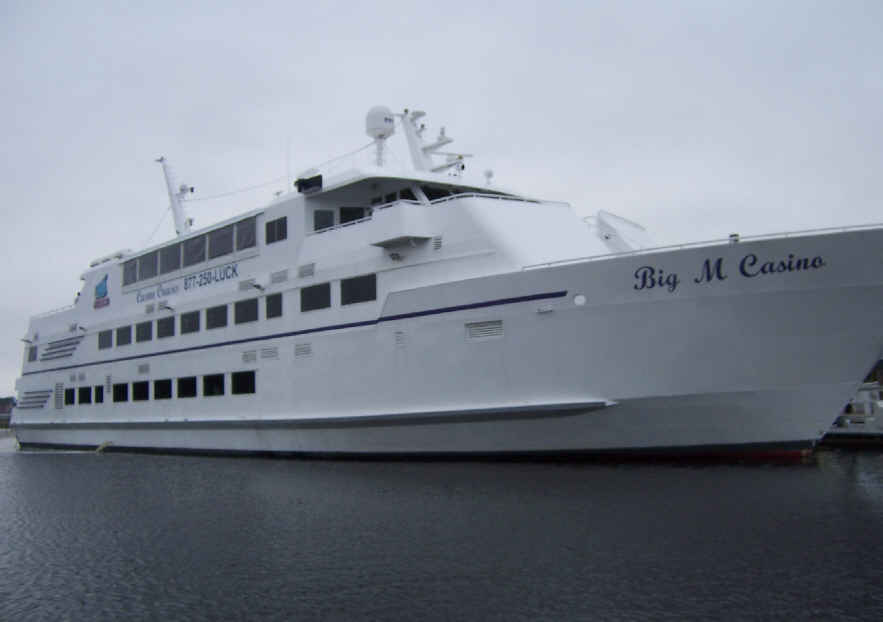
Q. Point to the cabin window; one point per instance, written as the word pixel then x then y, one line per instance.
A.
pixel 242 382
pixel 187 386
pixel 130 272
pixel 432 193
pixel 165 327
pixel 390 198
pixel 32 354
pixel 216 317
pixel 212 385
pixel 406 194
pixel 194 251
pixel 143 331
pixel 169 258
pixel 349 214
pixel 99 394
pixel 140 391
pixel 124 335
pixel 376 200
pixel 147 268
pixel 245 311
pixel 70 397
pixel 84 395
pixel 277 230
pixel 315 297
pixel 245 234
pixel 190 322
pixel 220 242
pixel 162 389
pixel 274 306
pixel 358 289
pixel 105 339
pixel 322 219
pixel 121 392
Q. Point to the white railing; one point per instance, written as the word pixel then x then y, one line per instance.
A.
pixel 716 242
pixel 54 311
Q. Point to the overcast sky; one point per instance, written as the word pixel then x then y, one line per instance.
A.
pixel 696 119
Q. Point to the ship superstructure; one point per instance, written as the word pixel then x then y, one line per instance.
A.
pixel 413 310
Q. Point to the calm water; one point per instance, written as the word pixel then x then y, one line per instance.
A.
pixel 109 537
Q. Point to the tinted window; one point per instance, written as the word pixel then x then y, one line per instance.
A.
pixel 187 387
pixel 84 395
pixel 147 268
pixel 165 327
pixel 99 395
pixel 390 197
pixel 144 331
pixel 105 339
pixel 32 353
pixel 274 305
pixel 358 289
pixel 348 214
pixel 130 271
pixel 315 297
pixel 277 230
pixel 162 389
pixel 245 311
pixel 220 242
pixel 242 382
pixel 216 317
pixel 194 250
pixel 169 258
pixel 124 335
pixel 189 322
pixel 406 194
pixel 322 219
pixel 140 391
pixel 245 234
pixel 212 385
pixel 121 392
pixel 432 193
pixel 69 397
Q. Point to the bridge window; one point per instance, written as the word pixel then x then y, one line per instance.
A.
pixel 245 234
pixel 213 385
pixel 243 382
pixel 245 311
pixel 121 392
pixel 220 242
pixel 358 289
pixel 84 395
pixel 194 251
pixel 162 389
pixel 349 214
pixel 187 386
pixel 130 272
pixel 216 317
pixel 165 327
pixel 169 258
pixel 140 391
pixel 274 305
pixel 406 194
pixel 315 297
pixel 105 339
pixel 277 230
pixel 190 322
pixel 147 268
pixel 143 331
pixel 124 335
pixel 322 219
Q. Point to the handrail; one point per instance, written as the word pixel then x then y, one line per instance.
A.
pixel 716 242
pixel 54 311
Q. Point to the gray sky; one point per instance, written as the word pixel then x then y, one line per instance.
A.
pixel 696 119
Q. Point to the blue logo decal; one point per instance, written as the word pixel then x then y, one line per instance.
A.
pixel 101 299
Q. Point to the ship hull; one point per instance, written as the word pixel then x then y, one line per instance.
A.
pixel 611 356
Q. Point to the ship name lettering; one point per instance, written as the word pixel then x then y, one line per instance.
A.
pixel 751 266
pixel 648 277
pixel 708 273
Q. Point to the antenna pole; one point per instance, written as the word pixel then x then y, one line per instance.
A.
pixel 182 224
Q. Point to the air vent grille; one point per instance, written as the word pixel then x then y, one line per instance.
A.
pixel 437 242
pixel 59 395
pixel 279 277
pixel 400 338
pixel 72 377
pixel 484 330
pixel 246 285
pixel 149 308
pixel 249 356
pixel 270 353
pixel 308 269
pixel 34 399
pixel 144 368
pixel 303 349
pixel 81 376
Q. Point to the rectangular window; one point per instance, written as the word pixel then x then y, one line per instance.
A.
pixel 274 305
pixel 243 382
pixel 70 396
pixel 358 289
pixel 130 272
pixel 147 268
pixel 169 258
pixel 187 387
pixel 245 311
pixel 220 242
pixel 349 214
pixel 32 354
pixel 212 385
pixel 216 317
pixel 194 250
pixel 162 389
pixel 315 297
pixel 99 394
pixel 390 198
pixel 246 234
pixel 124 335
pixel 105 339
pixel 84 395
pixel 406 194
pixel 277 230
pixel 165 327
pixel 322 219
pixel 140 391
pixel 189 322
pixel 121 392
pixel 143 331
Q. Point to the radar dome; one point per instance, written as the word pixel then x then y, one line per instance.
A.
pixel 380 123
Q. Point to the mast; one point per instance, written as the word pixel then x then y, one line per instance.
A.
pixel 182 223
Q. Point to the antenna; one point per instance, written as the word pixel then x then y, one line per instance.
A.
pixel 182 223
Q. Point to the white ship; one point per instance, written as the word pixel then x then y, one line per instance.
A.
pixel 861 422
pixel 410 310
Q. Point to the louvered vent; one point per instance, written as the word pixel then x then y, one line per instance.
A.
pixel 303 349
pixel 308 269
pixel 279 277
pixel 59 395
pixel 62 348
pixel 144 368
pixel 107 385
pixel 249 356
pixel 400 338
pixel 436 242
pixel 484 330
pixel 246 285
pixel 270 353
pixel 149 308
pixel 34 399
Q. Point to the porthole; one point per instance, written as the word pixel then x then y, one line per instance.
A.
pixel 579 300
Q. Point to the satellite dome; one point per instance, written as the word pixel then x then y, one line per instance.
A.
pixel 380 123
